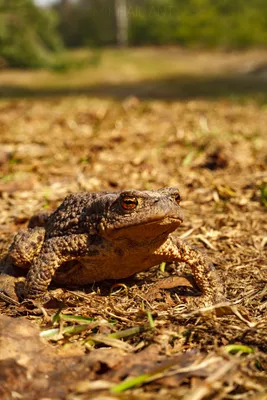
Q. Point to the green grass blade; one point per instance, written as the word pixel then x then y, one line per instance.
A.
pixel 130 383
pixel 238 348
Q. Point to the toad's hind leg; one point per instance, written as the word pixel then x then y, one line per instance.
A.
pixel 26 246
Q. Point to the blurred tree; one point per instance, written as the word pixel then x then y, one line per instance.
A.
pixel 121 22
pixel 199 22
pixel 154 22
pixel 87 22
pixel 28 34
pixel 225 23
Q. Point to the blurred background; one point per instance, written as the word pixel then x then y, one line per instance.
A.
pixel 126 44
pixel 32 30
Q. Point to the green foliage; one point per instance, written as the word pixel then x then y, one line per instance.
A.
pixel 28 35
pixel 154 22
pixel 199 22
pixel 224 23
pixel 211 23
pixel 263 192
pixel 84 23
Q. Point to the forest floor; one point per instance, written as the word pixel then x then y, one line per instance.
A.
pixel 142 119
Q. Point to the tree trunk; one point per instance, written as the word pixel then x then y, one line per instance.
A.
pixel 121 22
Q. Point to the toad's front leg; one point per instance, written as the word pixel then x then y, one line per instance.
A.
pixel 204 273
pixel 54 253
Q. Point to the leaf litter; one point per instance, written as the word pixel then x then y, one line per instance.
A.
pixel 147 339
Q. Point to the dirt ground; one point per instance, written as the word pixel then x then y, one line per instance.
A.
pixel 140 341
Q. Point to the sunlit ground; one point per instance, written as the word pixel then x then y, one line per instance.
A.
pixel 143 119
pixel 148 73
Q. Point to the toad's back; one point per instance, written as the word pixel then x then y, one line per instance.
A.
pixel 72 217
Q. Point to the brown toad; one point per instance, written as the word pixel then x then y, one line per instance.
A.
pixel 95 236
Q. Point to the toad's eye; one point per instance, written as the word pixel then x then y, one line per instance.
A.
pixel 177 198
pixel 129 203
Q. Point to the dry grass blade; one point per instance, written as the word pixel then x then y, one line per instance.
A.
pixel 213 382
pixel 109 341
pixel 130 331
pixel 8 299
pixel 206 242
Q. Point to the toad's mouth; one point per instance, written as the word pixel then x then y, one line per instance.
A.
pixel 161 221
pixel 153 228
pixel 156 221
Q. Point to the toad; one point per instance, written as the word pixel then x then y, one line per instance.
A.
pixel 95 236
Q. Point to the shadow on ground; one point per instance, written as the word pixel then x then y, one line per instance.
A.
pixel 182 87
